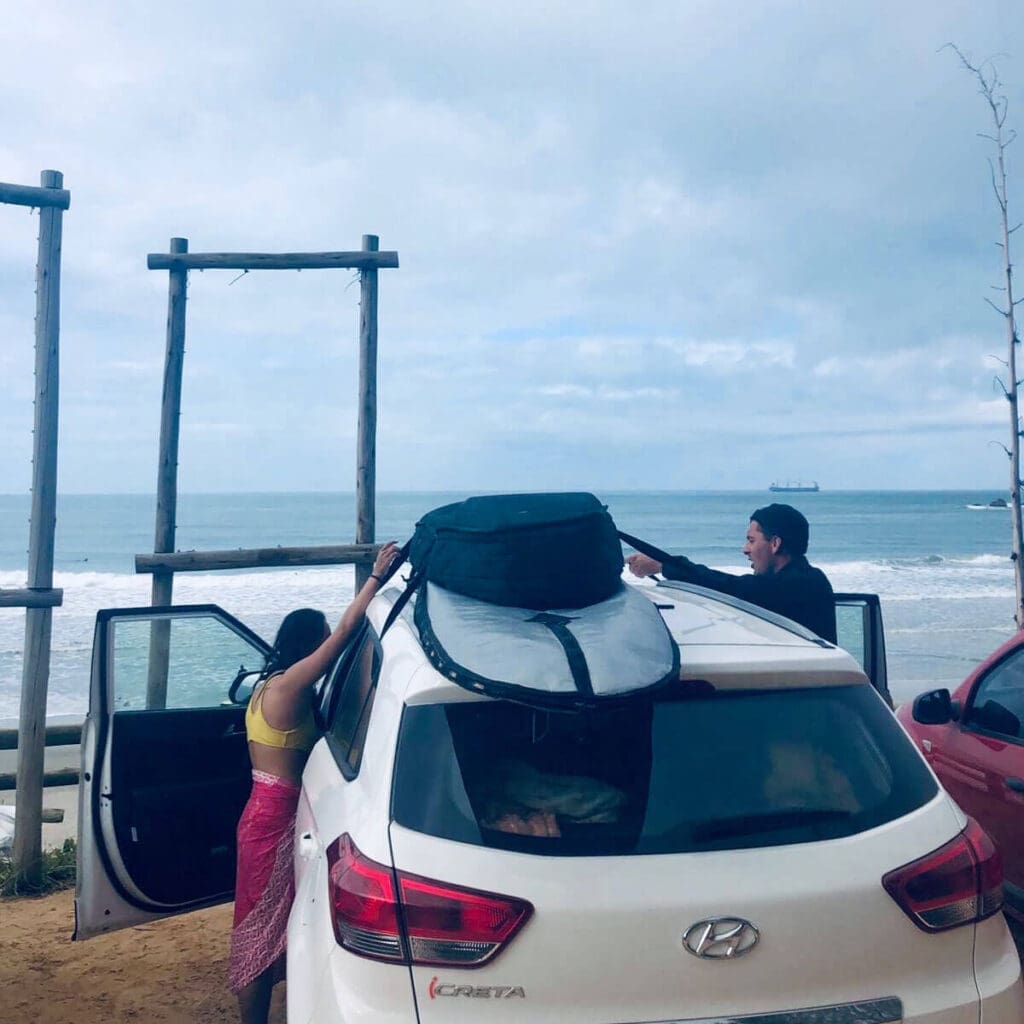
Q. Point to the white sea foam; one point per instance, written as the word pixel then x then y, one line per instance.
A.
pixel 937 611
pixel 259 599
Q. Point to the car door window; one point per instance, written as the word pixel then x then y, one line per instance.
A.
pixel 860 632
pixel 176 662
pixel 851 633
pixel 346 731
pixel 997 705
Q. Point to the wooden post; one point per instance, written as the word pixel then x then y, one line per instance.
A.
pixel 167 477
pixel 366 454
pixel 42 526
pixel 179 261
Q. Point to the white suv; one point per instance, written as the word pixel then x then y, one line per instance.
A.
pixel 759 843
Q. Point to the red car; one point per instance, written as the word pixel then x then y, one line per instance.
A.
pixel 974 741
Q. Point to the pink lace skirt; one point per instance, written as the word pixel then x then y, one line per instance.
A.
pixel 265 880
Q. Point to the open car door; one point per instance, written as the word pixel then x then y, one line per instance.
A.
pixel 165 767
pixel 860 631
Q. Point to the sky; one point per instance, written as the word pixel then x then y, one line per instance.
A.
pixel 660 245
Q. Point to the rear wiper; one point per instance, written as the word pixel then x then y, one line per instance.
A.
pixel 769 821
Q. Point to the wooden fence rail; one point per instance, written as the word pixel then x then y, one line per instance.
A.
pixel 31 597
pixel 256 558
pixel 357 260
pixel 65 735
pixel 64 777
pixel 30 195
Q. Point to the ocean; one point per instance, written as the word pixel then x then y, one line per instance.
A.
pixel 941 568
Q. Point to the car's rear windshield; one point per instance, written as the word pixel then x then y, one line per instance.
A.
pixel 711 771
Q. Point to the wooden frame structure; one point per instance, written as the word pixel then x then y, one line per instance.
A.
pixel 40 597
pixel 165 562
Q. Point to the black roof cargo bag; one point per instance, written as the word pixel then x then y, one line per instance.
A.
pixel 521 596
pixel 524 550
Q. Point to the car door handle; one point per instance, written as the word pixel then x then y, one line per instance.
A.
pixel 1017 785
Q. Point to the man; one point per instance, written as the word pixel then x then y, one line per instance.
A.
pixel 783 580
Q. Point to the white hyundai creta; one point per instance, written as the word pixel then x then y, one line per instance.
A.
pixel 758 843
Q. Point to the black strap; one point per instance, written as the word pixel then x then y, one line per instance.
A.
pixel 558 624
pixel 645 549
pixel 412 584
pixel 396 563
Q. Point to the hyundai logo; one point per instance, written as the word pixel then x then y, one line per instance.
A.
pixel 720 938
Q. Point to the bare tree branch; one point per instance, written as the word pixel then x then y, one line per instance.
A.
pixel 990 86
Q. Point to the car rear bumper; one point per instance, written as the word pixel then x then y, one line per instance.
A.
pixel 998 973
pixel 876 1011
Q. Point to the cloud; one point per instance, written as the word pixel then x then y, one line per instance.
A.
pixel 624 239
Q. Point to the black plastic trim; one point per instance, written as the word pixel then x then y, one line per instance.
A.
pixel 338 750
pixel 1014 895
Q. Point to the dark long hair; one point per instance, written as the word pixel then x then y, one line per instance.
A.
pixel 301 632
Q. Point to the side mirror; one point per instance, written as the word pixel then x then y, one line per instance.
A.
pixel 933 708
pixel 236 683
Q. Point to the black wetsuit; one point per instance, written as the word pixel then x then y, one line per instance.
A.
pixel 798 590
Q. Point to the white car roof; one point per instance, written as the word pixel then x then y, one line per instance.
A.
pixel 735 645
pixel 727 642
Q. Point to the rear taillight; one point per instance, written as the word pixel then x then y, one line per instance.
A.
pixel 430 923
pixel 959 883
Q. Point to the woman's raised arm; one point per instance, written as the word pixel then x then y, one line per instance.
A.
pixel 306 672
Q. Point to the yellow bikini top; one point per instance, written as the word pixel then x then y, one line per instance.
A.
pixel 259 730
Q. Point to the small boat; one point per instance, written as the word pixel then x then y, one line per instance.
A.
pixel 994 503
pixel 794 486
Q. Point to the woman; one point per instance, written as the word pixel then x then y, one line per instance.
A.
pixel 281 731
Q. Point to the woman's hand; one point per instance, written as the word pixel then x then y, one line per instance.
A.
pixel 384 558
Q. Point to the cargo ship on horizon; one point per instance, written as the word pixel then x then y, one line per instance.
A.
pixel 791 487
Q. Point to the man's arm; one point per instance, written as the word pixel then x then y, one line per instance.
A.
pixel 679 567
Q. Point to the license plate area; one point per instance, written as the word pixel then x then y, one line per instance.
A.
pixel 887 1010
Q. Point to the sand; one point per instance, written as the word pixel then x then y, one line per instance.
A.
pixel 168 972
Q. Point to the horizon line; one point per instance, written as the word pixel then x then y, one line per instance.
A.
pixel 483 490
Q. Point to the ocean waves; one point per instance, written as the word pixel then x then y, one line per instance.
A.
pixel 930 578
pixel 938 611
pixel 259 599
